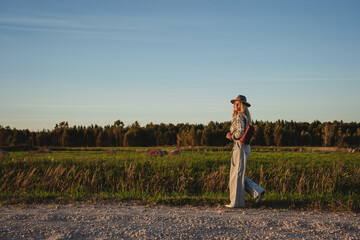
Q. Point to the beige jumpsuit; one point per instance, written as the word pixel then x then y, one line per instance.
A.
pixel 240 154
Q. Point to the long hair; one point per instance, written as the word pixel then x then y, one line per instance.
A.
pixel 244 110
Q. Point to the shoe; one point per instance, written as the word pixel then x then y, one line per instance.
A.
pixel 229 206
pixel 258 199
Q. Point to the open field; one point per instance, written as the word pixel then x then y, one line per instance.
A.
pixel 309 180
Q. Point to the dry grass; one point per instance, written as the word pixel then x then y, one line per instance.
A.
pixel 311 178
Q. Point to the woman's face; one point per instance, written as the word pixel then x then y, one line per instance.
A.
pixel 237 106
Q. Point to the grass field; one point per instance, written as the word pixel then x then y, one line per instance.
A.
pixel 315 180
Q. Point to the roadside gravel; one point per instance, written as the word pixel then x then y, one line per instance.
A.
pixel 120 221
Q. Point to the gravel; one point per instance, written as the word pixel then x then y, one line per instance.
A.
pixel 120 221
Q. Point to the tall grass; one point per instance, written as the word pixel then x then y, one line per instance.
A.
pixel 300 179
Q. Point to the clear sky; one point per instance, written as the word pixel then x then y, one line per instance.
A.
pixel 94 62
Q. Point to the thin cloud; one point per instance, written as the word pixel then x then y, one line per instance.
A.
pixel 132 32
pixel 56 23
pixel 32 29
pixel 307 79
pixel 33 21
pixel 89 34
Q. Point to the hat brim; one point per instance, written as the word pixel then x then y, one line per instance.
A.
pixel 246 103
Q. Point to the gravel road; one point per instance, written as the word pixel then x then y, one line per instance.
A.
pixel 119 221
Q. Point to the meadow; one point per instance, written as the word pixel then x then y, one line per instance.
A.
pixel 307 180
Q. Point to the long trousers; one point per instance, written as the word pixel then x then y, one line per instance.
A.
pixel 238 181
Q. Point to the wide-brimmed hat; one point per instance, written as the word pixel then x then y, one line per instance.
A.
pixel 241 98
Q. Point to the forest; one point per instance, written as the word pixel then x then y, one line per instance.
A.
pixel 279 133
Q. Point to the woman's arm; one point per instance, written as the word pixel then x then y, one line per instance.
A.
pixel 229 136
pixel 239 127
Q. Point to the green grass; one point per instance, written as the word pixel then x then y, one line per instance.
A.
pixel 315 180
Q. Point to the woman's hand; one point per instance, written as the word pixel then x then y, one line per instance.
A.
pixel 229 135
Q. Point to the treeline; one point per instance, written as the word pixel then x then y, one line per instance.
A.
pixel 279 133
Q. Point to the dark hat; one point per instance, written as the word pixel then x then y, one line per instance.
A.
pixel 241 98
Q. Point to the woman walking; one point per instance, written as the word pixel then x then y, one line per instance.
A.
pixel 238 183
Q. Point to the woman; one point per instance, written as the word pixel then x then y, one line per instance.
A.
pixel 240 155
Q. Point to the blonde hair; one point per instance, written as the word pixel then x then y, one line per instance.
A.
pixel 244 110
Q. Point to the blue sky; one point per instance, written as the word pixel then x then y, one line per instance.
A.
pixel 94 62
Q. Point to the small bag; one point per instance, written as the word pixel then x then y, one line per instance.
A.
pixel 248 134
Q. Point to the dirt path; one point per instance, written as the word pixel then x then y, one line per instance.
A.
pixel 113 221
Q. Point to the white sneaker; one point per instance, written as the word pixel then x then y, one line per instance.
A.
pixel 229 206
pixel 258 199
